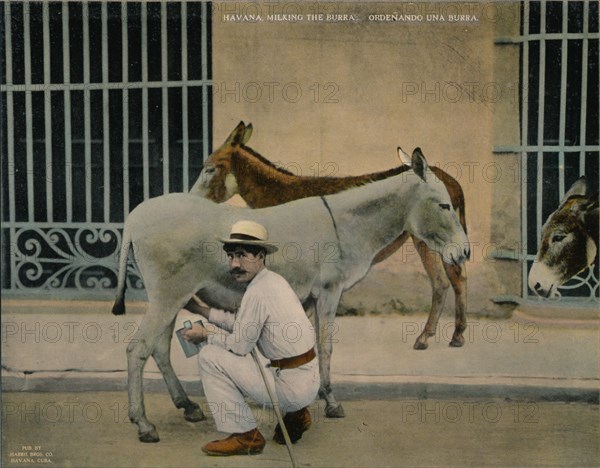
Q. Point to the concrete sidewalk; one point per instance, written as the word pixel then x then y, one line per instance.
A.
pixel 527 356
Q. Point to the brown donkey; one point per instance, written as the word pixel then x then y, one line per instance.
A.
pixel 569 242
pixel 235 168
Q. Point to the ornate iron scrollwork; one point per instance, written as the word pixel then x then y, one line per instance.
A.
pixel 83 258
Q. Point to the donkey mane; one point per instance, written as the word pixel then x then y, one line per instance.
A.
pixel 266 161
pixel 273 185
pixel 265 170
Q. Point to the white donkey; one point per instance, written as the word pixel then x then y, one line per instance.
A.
pixel 174 241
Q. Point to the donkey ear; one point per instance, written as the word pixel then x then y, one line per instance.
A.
pixel 591 219
pixel 419 163
pixel 579 188
pixel 237 135
pixel 589 215
pixel 247 134
pixel 403 157
pixel 590 207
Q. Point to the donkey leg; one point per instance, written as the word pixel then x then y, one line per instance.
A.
pixel 152 327
pixel 162 356
pixel 439 289
pixel 325 327
pixel 458 278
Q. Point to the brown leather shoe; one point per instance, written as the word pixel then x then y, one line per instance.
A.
pixel 245 443
pixel 296 424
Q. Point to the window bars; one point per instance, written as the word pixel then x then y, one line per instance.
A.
pixel 104 104
pixel 559 121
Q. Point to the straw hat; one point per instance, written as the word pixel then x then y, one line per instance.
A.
pixel 249 233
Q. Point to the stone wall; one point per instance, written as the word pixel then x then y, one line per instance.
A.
pixel 335 95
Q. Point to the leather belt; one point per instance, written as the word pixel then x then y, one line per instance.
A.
pixel 294 361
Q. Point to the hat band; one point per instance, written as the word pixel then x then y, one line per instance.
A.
pixel 244 237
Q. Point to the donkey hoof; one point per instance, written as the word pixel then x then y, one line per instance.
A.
pixel 194 415
pixel 420 345
pixel 457 342
pixel 149 437
pixel 335 411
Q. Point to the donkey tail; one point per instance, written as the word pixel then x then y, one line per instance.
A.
pixel 462 214
pixel 119 305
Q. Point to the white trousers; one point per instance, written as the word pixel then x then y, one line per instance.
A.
pixel 228 378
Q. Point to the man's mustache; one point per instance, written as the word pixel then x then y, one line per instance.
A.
pixel 237 271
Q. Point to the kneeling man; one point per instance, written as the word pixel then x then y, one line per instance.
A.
pixel 272 318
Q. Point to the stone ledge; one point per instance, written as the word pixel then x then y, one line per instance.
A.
pixel 347 387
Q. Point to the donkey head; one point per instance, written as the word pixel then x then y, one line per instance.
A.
pixel 433 218
pixel 216 181
pixel 569 241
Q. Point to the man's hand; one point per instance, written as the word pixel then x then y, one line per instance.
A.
pixel 196 334
pixel 197 308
